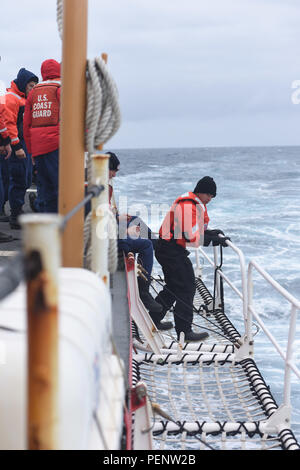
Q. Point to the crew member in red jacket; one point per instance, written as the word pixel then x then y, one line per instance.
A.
pixel 19 163
pixel 41 131
pixel 183 226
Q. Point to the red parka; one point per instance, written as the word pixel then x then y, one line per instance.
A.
pixel 41 118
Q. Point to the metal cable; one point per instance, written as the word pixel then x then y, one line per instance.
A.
pixel 93 191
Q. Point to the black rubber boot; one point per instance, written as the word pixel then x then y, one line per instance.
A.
pixel 32 197
pixel 4 238
pixel 147 298
pixel 157 320
pixel 3 216
pixel 191 336
pixel 13 222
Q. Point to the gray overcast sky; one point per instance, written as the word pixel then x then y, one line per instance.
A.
pixel 190 73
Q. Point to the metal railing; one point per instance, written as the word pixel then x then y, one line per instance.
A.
pixel 243 272
pixel 249 313
pixel 94 191
pixel 295 306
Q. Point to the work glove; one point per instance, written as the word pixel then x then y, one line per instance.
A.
pixel 213 236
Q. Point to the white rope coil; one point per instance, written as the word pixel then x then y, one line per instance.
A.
pixel 103 116
pixel 60 16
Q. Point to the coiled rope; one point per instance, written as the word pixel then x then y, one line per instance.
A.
pixel 60 16
pixel 103 119
pixel 103 115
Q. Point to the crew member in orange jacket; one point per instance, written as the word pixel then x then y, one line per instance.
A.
pixel 19 162
pixel 183 226
pixel 5 152
pixel 41 131
pixel 4 137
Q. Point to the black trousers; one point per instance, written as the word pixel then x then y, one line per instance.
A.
pixel 180 283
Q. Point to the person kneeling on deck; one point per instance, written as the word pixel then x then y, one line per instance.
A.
pixel 183 225
pixel 131 241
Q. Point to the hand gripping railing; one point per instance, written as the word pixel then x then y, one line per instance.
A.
pixel 295 305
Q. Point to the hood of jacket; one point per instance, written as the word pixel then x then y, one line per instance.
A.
pixel 25 76
pixel 50 69
pixel 15 89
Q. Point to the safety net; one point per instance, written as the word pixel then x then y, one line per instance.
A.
pixel 209 399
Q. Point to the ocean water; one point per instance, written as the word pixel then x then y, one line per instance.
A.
pixel 257 205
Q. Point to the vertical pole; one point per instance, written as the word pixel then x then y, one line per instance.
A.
pixel 71 166
pixel 100 217
pixel 41 241
pixel 249 319
pixel 216 262
pixel 289 357
pixel 198 270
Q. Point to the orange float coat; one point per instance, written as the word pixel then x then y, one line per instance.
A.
pixel 184 223
pixel 13 110
pixel 4 137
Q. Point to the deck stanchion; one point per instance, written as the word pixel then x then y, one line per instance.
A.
pixel 216 261
pixel 73 104
pixel 100 217
pixel 42 244
pixel 289 357
pixel 249 320
pixel 198 268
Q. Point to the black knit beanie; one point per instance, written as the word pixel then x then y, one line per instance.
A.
pixel 114 162
pixel 207 186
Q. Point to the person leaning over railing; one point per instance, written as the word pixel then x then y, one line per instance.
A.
pixel 184 225
pixel 132 239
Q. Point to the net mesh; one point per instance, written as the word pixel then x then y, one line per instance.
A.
pixel 211 400
pixel 221 441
